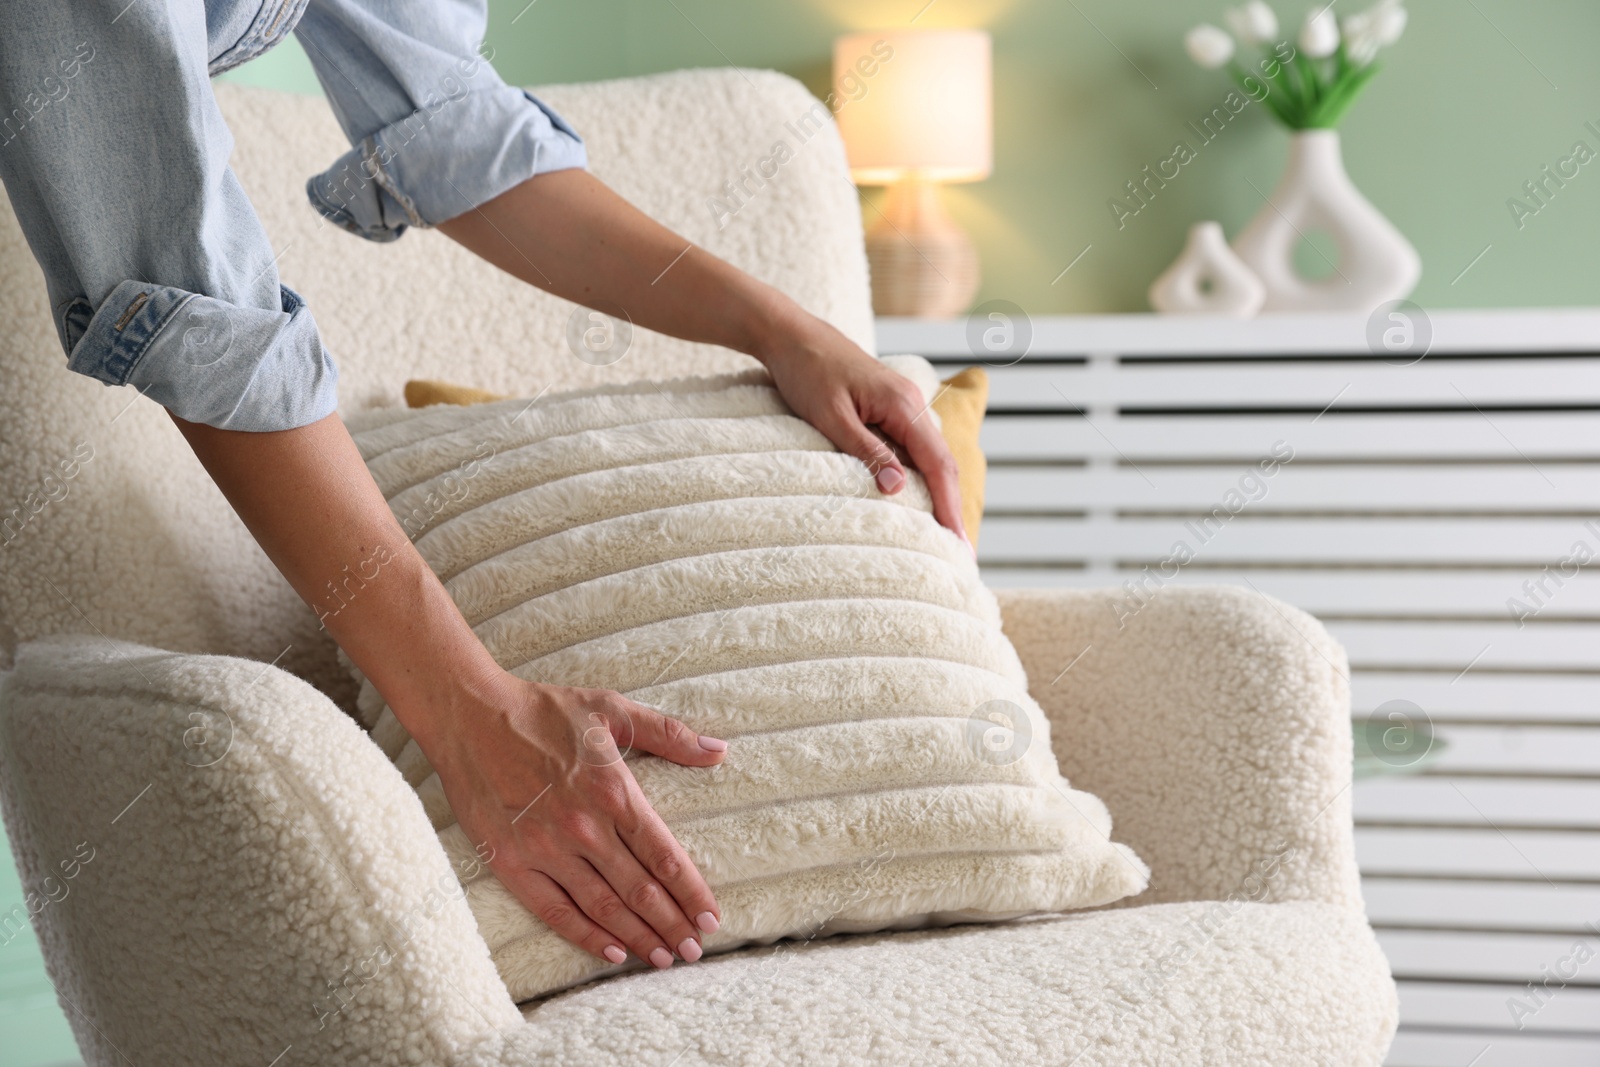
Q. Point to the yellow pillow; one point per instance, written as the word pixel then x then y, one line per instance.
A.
pixel 960 403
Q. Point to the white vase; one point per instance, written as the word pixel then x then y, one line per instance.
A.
pixel 1207 278
pixel 1375 263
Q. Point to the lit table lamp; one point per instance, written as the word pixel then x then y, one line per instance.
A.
pixel 914 111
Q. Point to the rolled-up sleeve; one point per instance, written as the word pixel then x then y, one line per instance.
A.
pixel 434 130
pixel 115 158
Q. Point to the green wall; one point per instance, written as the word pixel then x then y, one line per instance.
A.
pixel 33 1029
pixel 1476 98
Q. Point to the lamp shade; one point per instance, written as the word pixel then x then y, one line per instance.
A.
pixel 914 104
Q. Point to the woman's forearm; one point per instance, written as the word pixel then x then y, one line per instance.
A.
pixel 500 745
pixel 309 502
pixel 567 233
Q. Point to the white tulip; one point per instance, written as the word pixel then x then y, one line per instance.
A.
pixel 1377 27
pixel 1389 22
pixel 1320 35
pixel 1208 46
pixel 1254 23
pixel 1361 38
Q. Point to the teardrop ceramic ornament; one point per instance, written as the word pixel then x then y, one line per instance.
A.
pixel 1207 278
pixel 1375 264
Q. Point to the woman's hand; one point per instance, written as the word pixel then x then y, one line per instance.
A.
pixel 536 779
pixel 597 249
pixel 532 772
pixel 832 384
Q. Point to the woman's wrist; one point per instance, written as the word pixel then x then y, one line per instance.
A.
pixel 444 724
pixel 461 693
pixel 411 642
pixel 773 325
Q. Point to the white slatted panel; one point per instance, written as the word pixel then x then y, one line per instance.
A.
pixel 1444 1005
pixel 1461 1046
pixel 1453 436
pixel 1423 904
pixel 1455 489
pixel 1536 857
pixel 1127 388
pixel 1386 592
pixel 1419 501
pixel 1414 542
pixel 1480 696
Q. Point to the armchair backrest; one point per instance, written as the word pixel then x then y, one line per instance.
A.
pixel 109 525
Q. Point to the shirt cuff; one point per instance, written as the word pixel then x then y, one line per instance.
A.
pixel 442 162
pixel 206 360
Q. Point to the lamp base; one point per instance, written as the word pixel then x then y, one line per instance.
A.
pixel 923 264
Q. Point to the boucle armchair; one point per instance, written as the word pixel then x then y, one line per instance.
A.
pixel 265 887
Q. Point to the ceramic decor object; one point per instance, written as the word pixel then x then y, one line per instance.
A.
pixel 1207 278
pixel 1375 263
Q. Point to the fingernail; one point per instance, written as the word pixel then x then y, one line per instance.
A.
pixel 711 744
pixel 890 479
pixel 707 923
pixel 661 958
pixel 614 954
pixel 970 546
pixel 689 950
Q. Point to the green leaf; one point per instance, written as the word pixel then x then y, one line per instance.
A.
pixel 1242 77
pixel 1237 73
pixel 1332 108
pixel 1308 77
pixel 1287 100
pixel 1279 104
pixel 1312 87
pixel 1280 108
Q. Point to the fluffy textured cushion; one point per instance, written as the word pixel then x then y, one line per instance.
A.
pixel 959 402
pixel 698 547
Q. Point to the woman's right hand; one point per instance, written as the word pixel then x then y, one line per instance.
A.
pixel 535 776
pixel 533 772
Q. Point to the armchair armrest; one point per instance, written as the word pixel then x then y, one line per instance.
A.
pixel 1215 724
pixel 260 882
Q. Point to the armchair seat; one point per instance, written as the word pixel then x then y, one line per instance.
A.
pixel 1199 983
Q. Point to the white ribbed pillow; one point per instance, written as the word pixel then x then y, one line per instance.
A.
pixel 702 550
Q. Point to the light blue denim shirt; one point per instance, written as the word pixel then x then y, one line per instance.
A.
pixel 115 157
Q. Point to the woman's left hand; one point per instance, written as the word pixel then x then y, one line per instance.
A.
pixel 831 383
pixel 599 250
